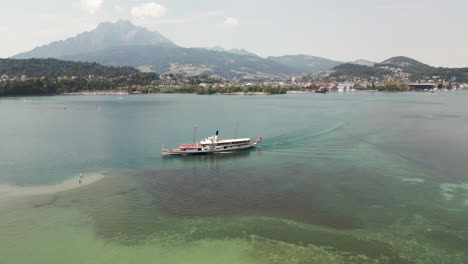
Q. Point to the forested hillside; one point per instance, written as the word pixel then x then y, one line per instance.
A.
pixel 53 68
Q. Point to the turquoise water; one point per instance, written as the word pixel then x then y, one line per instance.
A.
pixel 339 178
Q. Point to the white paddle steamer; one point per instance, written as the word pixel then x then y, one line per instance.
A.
pixel 211 145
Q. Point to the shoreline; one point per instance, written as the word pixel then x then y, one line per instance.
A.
pixel 7 190
pixel 242 93
pixel 109 92
pixel 186 93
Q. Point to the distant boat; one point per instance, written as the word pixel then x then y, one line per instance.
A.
pixel 212 145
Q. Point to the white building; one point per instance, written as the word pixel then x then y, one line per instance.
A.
pixel 345 87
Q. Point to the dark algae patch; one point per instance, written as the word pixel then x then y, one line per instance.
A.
pixel 128 215
pixel 232 192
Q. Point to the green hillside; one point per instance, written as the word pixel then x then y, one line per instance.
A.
pixel 357 70
pixel 305 64
pixel 416 70
pixel 53 68
pixel 420 70
pixel 191 61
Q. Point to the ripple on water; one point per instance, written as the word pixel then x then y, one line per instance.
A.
pixel 449 190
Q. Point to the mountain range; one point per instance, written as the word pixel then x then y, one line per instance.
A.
pixel 235 51
pixel 124 44
pixel 106 35
pixel 397 69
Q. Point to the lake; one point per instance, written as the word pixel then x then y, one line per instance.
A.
pixel 339 178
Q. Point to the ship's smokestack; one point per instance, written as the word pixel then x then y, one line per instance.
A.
pixel 217 132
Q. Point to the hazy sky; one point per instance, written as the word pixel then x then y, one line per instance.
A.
pixel 432 31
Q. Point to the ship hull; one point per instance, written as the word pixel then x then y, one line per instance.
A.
pixel 217 149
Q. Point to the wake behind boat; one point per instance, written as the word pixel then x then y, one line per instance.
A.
pixel 212 145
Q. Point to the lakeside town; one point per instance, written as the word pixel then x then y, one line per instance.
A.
pixel 119 81
pixel 316 83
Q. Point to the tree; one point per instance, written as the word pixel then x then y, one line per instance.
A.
pixel 394 87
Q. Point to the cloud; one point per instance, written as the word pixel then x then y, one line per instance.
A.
pixel 91 5
pixel 231 21
pixel 152 9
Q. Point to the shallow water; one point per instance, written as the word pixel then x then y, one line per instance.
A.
pixel 339 178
